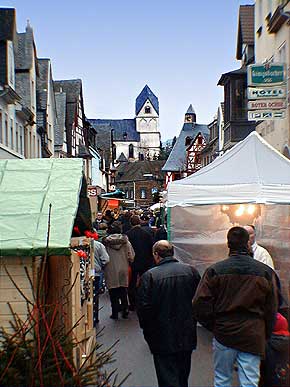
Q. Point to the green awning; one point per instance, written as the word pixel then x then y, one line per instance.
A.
pixel 27 187
pixel 118 194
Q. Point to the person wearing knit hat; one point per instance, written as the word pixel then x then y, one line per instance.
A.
pixel 275 369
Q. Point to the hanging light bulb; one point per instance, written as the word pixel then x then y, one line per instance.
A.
pixel 251 209
pixel 240 211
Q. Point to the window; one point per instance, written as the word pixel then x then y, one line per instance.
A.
pixel 33 147
pixel 21 139
pixel 141 157
pixel 30 145
pixel 17 138
pixel 143 193
pixel 131 194
pixel 126 194
pixel 282 53
pixel 131 151
pixel 1 129
pixel 147 110
pixel 11 134
pixel 188 140
pixel 6 129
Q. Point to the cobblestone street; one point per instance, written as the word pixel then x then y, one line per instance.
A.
pixel 132 353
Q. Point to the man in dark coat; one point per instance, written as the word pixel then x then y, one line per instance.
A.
pixel 164 308
pixel 142 243
pixel 237 300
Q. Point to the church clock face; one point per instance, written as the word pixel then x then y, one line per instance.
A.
pixel 188 118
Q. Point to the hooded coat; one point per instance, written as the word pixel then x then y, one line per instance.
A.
pixel 121 253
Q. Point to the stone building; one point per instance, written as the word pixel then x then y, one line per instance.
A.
pixel 272 44
pixel 139 180
pixel 18 75
pixel 236 124
pixel 134 139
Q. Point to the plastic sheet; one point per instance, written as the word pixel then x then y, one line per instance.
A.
pixel 199 233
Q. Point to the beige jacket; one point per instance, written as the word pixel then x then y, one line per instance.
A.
pixel 121 253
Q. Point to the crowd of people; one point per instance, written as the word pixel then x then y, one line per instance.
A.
pixel 238 299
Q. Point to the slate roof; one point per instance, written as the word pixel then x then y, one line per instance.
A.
pixel 133 171
pixel 73 89
pixel 25 50
pixel 103 139
pixel 121 127
pixel 246 28
pixel 238 72
pixel 59 133
pixel 177 158
pixel 190 110
pixel 7 24
pixel 145 94
pixel 122 158
pixel 42 83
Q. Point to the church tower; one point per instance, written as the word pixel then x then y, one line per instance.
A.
pixel 147 124
pixel 190 116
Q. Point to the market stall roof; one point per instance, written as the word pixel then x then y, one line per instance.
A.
pixel 27 187
pixel 250 172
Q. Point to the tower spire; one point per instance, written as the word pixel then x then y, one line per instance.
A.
pixel 190 116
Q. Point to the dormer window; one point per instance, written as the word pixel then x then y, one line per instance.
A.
pixel 147 109
pixel 188 140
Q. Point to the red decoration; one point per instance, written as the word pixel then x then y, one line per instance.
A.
pixel 82 254
pixel 90 234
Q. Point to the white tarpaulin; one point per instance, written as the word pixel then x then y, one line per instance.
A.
pixel 251 172
pixel 249 184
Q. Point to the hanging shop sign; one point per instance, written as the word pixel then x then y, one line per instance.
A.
pixel 92 191
pixel 261 115
pixel 265 104
pixel 266 74
pixel 266 92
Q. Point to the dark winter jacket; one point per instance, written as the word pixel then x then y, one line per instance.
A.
pixel 142 243
pixel 237 300
pixel 164 306
pixel 275 371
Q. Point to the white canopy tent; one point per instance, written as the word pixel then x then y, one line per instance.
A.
pixel 249 184
pixel 251 172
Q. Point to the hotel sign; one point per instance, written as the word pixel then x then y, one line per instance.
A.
pixel 266 74
pixel 266 92
pixel 267 104
pixel 262 115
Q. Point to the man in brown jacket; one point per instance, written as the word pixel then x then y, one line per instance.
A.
pixel 237 300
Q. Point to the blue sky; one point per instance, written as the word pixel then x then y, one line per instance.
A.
pixel 179 48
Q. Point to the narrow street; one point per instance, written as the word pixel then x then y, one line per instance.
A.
pixel 132 353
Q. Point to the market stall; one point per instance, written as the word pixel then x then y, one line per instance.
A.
pixel 41 202
pixel 249 184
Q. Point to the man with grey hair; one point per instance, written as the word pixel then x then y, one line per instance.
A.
pixel 260 253
pixel 165 312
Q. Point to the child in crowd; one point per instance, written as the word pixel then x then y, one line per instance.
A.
pixel 275 368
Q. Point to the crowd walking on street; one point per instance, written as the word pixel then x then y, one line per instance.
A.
pixel 237 299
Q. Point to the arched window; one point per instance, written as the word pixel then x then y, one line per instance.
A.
pixel 147 109
pixel 131 151
pixel 114 153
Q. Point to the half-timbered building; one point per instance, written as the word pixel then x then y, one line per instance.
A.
pixel 185 157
